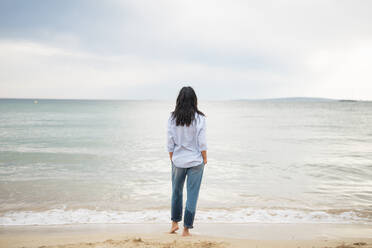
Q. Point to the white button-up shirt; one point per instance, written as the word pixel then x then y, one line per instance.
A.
pixel 187 142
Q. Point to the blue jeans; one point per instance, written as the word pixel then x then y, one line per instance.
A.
pixel 194 177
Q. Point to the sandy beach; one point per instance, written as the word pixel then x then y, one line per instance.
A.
pixel 205 235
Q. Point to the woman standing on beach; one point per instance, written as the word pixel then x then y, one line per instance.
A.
pixel 187 149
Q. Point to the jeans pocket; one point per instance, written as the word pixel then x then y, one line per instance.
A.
pixel 201 166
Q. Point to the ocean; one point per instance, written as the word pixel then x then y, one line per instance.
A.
pixel 105 161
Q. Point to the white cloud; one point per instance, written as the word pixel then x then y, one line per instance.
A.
pixel 226 49
pixel 343 72
pixel 29 68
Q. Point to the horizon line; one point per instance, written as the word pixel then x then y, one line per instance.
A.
pixel 149 99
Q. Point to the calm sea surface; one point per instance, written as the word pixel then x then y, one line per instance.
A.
pixel 74 161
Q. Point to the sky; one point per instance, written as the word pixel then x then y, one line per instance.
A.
pixel 149 49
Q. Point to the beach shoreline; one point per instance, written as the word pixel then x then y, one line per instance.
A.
pixel 204 235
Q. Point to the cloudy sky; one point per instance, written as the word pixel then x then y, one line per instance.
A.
pixel 149 49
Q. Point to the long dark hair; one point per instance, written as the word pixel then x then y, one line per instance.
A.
pixel 186 106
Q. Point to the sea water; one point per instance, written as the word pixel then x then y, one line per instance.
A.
pixel 105 161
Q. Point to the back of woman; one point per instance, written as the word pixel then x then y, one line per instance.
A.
pixel 187 142
pixel 187 147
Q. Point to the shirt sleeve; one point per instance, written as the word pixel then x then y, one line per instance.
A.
pixel 202 139
pixel 170 140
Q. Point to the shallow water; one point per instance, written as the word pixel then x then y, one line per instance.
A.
pixel 87 161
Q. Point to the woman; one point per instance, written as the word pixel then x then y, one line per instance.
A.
pixel 187 149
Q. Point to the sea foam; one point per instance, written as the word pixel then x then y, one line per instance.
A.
pixel 86 216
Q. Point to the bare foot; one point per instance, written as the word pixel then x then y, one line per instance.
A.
pixel 186 232
pixel 174 227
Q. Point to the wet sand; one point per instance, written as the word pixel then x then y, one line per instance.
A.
pixel 204 235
